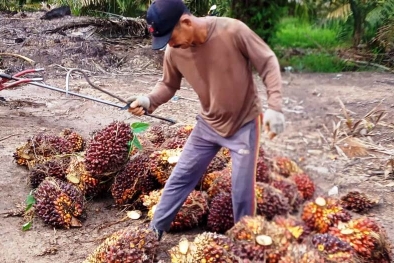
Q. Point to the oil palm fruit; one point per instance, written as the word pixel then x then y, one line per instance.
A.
pixel 108 150
pixel 220 217
pixel 134 180
pixel 323 213
pixel 162 162
pixel 59 203
pixel 128 245
pixel 332 248
pixel 206 247
pixel 285 166
pixel 289 190
pixel 76 140
pixel 305 185
pixel 221 184
pixel 54 167
pixel 270 201
pixel 357 202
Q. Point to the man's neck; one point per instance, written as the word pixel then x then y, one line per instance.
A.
pixel 200 30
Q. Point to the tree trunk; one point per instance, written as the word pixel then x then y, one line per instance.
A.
pixel 359 19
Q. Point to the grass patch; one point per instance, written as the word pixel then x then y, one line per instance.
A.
pixel 315 62
pixel 294 33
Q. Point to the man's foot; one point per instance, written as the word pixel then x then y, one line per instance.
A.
pixel 157 232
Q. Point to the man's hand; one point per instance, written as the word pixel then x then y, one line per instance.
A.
pixel 139 105
pixel 273 122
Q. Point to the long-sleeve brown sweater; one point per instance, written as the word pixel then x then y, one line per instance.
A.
pixel 220 72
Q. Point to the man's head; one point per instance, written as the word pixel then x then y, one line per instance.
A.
pixel 170 22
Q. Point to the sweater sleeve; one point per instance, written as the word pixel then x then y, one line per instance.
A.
pixel 264 61
pixel 168 84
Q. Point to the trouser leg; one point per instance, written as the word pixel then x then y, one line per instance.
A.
pixel 244 147
pixel 197 153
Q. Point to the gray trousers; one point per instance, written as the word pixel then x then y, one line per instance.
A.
pixel 200 148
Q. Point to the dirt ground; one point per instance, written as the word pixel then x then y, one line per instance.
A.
pixel 311 106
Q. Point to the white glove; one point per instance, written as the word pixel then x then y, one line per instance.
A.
pixel 273 122
pixel 137 103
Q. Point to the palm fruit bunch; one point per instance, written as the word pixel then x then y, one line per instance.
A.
pixel 178 131
pixel 207 180
pixel 206 247
pixel 297 228
pixel 220 217
pixel 174 143
pixel 59 203
pixel 128 245
pixel 77 174
pixel 76 140
pixel 134 180
pixel 366 237
pixel 155 134
pixel 259 240
pixel 150 201
pixel 357 202
pixel 289 190
pixel 262 168
pixel 40 147
pixel 162 163
pixel 221 184
pixel 305 185
pixel 54 167
pixel 270 201
pixel 323 213
pixel 108 151
pixel 285 166
pixel 300 253
pixel 218 163
pixel 191 214
pixel 333 248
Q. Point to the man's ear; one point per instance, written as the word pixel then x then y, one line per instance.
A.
pixel 185 20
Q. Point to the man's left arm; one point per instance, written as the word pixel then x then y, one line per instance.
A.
pixel 266 64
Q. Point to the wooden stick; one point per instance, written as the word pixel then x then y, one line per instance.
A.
pixel 18 56
pixel 6 137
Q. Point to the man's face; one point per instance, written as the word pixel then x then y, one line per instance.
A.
pixel 182 36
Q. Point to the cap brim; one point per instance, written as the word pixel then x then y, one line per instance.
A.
pixel 160 42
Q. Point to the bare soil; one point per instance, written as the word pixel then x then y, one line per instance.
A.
pixel 311 106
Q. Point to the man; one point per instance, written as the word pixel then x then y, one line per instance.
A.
pixel 215 55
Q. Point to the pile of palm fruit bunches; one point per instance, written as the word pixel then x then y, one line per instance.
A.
pixel 294 224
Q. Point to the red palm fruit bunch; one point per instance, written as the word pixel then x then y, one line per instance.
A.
pixel 162 163
pixel 259 240
pixel 285 166
pixel 77 174
pixel 270 201
pixel 178 131
pixel 155 134
pixel 76 140
pixel 128 245
pixel 206 247
pixel 289 190
pixel 333 248
pixel 108 151
pixel 192 213
pixel 305 185
pixel 54 167
pixel 218 163
pixel 214 170
pixel 221 184
pixel 297 228
pixel 174 143
pixel 323 213
pixel 220 217
pixel 301 253
pixel 207 180
pixel 262 168
pixel 40 147
pixel 366 237
pixel 134 180
pixel 59 203
pixel 357 202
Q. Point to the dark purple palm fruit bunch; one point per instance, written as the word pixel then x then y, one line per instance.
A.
pixel 262 168
pixel 220 217
pixel 48 145
pixel 134 180
pixel 76 140
pixel 59 203
pixel 108 150
pixel 54 167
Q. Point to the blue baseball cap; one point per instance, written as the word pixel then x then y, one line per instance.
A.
pixel 162 16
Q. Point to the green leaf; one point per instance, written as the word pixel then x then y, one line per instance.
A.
pixel 139 127
pixel 27 226
pixel 30 200
pixel 137 143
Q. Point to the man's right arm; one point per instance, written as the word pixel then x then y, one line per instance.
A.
pixel 167 86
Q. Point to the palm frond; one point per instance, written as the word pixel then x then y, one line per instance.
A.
pixel 341 12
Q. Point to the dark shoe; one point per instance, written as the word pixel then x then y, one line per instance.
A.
pixel 158 233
